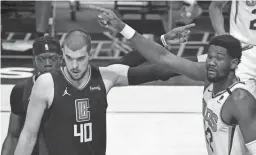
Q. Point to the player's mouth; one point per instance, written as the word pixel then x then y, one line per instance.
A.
pixel 211 70
pixel 75 72
pixel 48 67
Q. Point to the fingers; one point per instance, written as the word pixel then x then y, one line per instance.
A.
pixel 188 26
pixel 246 47
pixel 184 36
pixel 103 19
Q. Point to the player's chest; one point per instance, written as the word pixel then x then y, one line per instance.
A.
pixel 71 102
pixel 212 112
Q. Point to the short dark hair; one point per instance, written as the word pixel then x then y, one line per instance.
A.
pixel 46 44
pixel 230 43
pixel 77 37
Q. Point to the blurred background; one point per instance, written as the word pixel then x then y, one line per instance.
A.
pixel 23 21
pixel 154 118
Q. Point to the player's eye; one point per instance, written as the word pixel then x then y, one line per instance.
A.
pixel 53 58
pixel 41 59
pixel 69 58
pixel 80 58
pixel 209 57
pixel 219 58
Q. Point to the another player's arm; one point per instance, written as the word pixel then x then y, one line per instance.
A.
pixel 243 111
pixel 134 58
pixel 216 16
pixel 39 102
pixel 131 59
pixel 15 122
pixel 122 75
pixel 158 55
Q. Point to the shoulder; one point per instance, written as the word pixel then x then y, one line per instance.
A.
pixel 241 101
pixel 16 98
pixel 44 81
pixel 19 86
pixel 241 94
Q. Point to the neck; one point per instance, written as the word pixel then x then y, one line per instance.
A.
pixel 80 82
pixel 225 83
pixel 37 75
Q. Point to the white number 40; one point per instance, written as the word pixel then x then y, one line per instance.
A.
pixel 85 133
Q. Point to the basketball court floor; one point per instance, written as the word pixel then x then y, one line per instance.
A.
pixel 146 120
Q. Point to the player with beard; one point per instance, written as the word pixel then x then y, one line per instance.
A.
pixel 229 109
pixel 71 102
pixel 46 52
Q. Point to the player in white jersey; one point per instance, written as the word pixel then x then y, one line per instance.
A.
pixel 243 27
pixel 222 132
pixel 218 73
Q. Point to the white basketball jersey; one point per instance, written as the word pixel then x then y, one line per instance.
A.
pixel 221 139
pixel 243 21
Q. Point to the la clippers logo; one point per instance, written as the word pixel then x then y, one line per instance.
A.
pixel 82 110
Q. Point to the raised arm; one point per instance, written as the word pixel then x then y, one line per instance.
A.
pixel 134 58
pixel 152 51
pixel 217 19
pixel 41 96
pixel 160 56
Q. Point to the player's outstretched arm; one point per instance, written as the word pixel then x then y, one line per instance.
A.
pixel 15 122
pixel 41 95
pixel 122 75
pixel 158 55
pixel 152 51
pixel 131 59
pixel 216 16
pixel 244 112
pixel 134 58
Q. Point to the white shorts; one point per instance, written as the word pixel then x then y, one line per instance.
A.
pixel 247 67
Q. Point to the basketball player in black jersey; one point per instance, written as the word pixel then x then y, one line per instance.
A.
pixel 46 54
pixel 231 123
pixel 71 102
pixel 46 58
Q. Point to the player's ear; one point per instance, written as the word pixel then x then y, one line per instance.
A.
pixel 91 54
pixel 61 59
pixel 234 63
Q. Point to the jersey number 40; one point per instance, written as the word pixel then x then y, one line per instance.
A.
pixel 84 131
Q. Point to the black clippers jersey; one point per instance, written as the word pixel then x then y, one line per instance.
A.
pixel 76 124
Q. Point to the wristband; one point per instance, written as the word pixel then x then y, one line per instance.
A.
pixel 163 41
pixel 128 32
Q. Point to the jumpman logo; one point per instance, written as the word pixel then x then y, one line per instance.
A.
pixel 66 92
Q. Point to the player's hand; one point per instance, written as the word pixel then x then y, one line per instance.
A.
pixel 108 19
pixel 178 34
pixel 246 47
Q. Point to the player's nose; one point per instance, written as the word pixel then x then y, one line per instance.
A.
pixel 74 64
pixel 211 62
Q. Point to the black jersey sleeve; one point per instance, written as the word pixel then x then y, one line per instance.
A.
pixel 16 99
